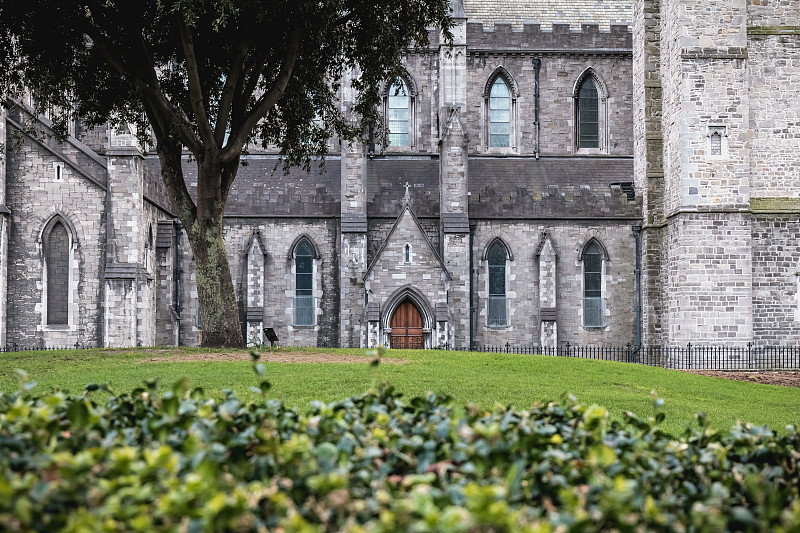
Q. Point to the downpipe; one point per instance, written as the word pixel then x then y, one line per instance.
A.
pixel 637 286
pixel 178 274
pixel 471 290
pixel 537 65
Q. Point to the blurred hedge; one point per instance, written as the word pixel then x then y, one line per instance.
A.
pixel 183 462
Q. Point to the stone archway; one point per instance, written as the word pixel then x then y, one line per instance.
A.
pixel 407 327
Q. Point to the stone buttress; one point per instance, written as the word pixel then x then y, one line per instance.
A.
pixel 353 235
pixel 127 283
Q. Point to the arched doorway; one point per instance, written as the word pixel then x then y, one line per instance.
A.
pixel 407 327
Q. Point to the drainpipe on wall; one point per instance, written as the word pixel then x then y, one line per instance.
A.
pixel 537 64
pixel 471 290
pixel 637 284
pixel 178 275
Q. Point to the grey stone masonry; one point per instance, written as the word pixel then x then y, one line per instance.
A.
pixel 126 293
pixel 4 216
pixel 390 279
pixel 548 293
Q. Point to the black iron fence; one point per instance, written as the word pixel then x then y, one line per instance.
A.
pixel 16 347
pixel 691 356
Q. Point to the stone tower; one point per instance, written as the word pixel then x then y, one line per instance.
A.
pixel 716 159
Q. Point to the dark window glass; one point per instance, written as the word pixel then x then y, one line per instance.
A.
pixel 58 275
pixel 399 104
pixel 496 312
pixel 593 304
pixel 499 114
pixel 304 300
pixel 588 116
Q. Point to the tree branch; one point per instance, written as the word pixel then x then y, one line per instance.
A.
pixel 147 82
pixel 267 100
pixel 195 89
pixel 231 82
pixel 169 154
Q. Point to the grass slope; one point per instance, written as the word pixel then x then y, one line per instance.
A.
pixel 485 379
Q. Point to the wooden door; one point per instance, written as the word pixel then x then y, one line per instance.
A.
pixel 406 327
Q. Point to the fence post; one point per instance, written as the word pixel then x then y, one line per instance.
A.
pixel 508 346
pixel 567 349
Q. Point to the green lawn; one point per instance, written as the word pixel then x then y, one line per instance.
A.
pixel 485 379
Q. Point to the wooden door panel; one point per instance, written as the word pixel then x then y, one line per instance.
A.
pixel 406 324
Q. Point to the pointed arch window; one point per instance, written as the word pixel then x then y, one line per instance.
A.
pixel 304 285
pixel 398 113
pixel 593 301
pixel 56 243
pixel 588 115
pixel 496 314
pixel 499 115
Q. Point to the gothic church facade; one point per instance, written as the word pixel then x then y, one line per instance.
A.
pixel 596 173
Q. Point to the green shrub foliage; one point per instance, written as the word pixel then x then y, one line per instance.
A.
pixel 181 461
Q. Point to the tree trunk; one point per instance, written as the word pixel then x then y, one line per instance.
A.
pixel 219 312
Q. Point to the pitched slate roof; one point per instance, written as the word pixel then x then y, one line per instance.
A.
pixel 549 12
pixel 261 189
pixel 386 179
pixel 558 187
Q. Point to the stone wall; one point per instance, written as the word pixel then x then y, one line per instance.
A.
pixel 776 279
pixel 774 73
pixel 278 282
pixel 709 288
pixel 34 196
pixel 523 282
pixel 513 52
pixel 390 275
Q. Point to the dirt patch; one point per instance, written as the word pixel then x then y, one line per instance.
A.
pixel 269 357
pixel 784 378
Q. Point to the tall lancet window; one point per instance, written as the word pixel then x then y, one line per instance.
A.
pixel 588 116
pixel 398 107
pixel 496 312
pixel 593 304
pixel 57 254
pixel 304 284
pixel 499 114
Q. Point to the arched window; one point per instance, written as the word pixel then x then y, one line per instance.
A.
pixel 499 114
pixel 148 247
pixel 593 303
pixel 588 115
pixel 496 308
pixel 407 253
pixel 398 113
pixel 304 285
pixel 56 244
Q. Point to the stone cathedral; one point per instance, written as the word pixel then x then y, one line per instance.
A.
pixel 592 172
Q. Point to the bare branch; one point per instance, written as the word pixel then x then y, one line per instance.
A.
pixel 267 100
pixel 145 80
pixel 231 82
pixel 195 89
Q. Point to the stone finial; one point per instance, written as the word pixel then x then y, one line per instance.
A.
pixel 457 9
pixel 407 197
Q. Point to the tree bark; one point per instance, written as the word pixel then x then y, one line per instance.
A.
pixel 218 307
pixel 219 311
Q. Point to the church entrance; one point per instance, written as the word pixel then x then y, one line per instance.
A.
pixel 406 327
